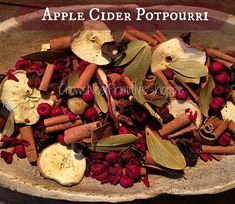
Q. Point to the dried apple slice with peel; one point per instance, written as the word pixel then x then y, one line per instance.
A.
pixel 173 50
pixel 87 43
pixel 61 164
pixel 19 98
pixel 178 107
pixel 228 112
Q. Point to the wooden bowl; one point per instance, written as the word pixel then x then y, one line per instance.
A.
pixel 206 178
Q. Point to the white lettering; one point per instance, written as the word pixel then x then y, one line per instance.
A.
pixel 92 15
pixel 140 12
pixel 47 14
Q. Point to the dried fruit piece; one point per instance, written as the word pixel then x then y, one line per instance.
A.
pixel 77 105
pixel 174 50
pixel 87 43
pixel 61 164
pixel 228 112
pixel 19 98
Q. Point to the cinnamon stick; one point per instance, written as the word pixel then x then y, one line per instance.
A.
pixel 174 125
pixel 149 80
pixel 114 77
pixel 46 79
pixel 11 150
pixel 162 37
pixel 225 63
pixel 185 130
pixel 63 126
pixel 141 35
pixel 233 96
pixel 221 129
pixel 30 149
pixel 128 37
pixel 220 55
pixel 76 134
pixel 56 120
pixel 218 149
pixel 170 89
pixel 61 43
pixel 127 81
pixel 231 127
pixel 86 76
pixel 75 64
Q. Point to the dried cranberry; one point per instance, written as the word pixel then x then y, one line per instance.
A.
pixel 60 139
pixel 56 111
pixel 111 157
pixel 133 171
pixel 71 115
pixel 218 91
pixel 102 177
pixel 99 156
pixel 22 64
pixel 224 140
pixel 216 104
pixel 116 169
pixel 123 130
pixel 126 182
pixel 114 179
pixel 221 78
pixel 7 156
pixel 20 151
pixel 216 68
pixel 97 169
pixel 44 109
pixel 169 74
pixel 139 115
pixel 91 113
pixel 88 96
pixel 126 156
pixel 181 95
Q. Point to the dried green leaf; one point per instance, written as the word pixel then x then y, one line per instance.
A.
pixel 189 68
pixel 133 48
pixel 72 79
pixel 164 152
pixel 102 132
pixel 160 101
pixel 205 96
pixel 188 79
pixel 152 112
pixel 9 126
pixel 138 67
pixel 45 56
pixel 114 143
pixel 100 99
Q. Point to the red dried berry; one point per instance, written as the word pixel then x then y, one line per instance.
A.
pixel 22 64
pixel 181 95
pixel 169 74
pixel 133 171
pixel 146 181
pixel 126 182
pixel 91 113
pixel 56 111
pixel 10 75
pixel 224 140
pixel 99 156
pixel 88 95
pixel 35 67
pixel 123 130
pixel 118 70
pixel 7 156
pixel 114 179
pixel 44 109
pixel 140 145
pixel 216 68
pixel 97 169
pixel 111 157
pixel 102 177
pixel 116 169
pixel 221 78
pixel 192 116
pixel 126 156
pixel 60 139
pixel 20 151
pixel 216 104
pixel 139 115
pixel 218 91
pixel 71 115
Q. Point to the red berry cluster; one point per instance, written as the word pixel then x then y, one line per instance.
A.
pixel 221 78
pixel 115 168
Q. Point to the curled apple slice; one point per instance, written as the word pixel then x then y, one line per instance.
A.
pixel 173 50
pixel 61 164
pixel 87 43
pixel 228 112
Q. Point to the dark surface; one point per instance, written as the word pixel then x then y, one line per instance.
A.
pixel 10 197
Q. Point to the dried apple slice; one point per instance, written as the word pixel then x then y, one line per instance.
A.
pixel 174 50
pixel 178 107
pixel 61 164
pixel 87 43
pixel 19 98
pixel 228 112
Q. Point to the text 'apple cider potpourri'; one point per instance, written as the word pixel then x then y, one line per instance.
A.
pixel 90 106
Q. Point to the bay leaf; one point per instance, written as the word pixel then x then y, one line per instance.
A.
pixel 99 98
pixel 102 132
pixel 138 67
pixel 153 113
pixel 72 79
pixel 205 96
pixel 160 101
pixel 114 143
pixel 189 68
pixel 188 79
pixel 163 151
pixel 133 48
pixel 9 126
pixel 45 56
